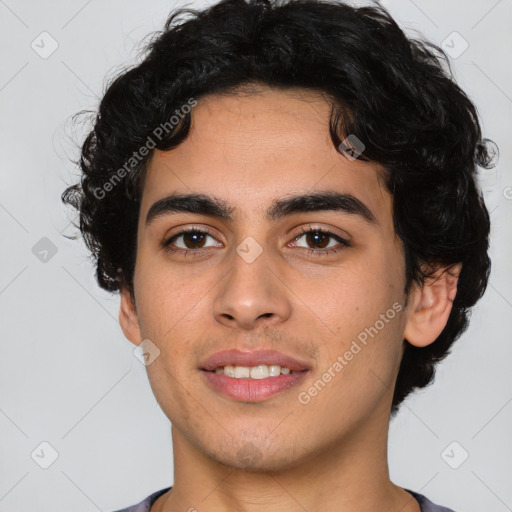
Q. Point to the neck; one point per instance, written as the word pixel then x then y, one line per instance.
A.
pixel 351 476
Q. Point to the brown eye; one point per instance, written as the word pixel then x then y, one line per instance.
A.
pixel 188 240
pixel 193 239
pixel 321 241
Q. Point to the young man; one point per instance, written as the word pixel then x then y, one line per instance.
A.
pixel 284 195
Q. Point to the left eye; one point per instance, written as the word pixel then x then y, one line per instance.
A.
pixel 320 238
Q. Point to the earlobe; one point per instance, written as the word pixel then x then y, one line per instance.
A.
pixel 128 318
pixel 431 305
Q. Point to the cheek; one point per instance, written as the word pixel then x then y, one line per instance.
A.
pixel 354 296
pixel 163 297
pixel 363 307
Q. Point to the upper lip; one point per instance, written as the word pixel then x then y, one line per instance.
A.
pixel 252 358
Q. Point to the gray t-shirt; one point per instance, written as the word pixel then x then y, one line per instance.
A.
pixel 144 506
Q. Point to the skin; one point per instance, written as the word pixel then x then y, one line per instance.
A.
pixel 249 149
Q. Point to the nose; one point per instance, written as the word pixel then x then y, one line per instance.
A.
pixel 251 294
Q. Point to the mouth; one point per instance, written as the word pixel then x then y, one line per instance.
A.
pixel 252 376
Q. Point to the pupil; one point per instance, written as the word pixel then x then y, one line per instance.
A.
pixel 315 235
pixel 196 238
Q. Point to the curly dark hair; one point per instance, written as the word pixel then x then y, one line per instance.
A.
pixel 396 94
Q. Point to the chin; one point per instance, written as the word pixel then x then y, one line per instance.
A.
pixel 256 457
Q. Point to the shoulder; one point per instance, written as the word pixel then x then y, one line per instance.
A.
pixel 145 504
pixel 426 505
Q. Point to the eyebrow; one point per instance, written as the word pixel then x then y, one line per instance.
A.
pixel 214 207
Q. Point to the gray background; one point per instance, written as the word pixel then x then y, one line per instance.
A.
pixel 69 378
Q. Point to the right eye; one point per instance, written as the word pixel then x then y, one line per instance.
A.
pixel 192 239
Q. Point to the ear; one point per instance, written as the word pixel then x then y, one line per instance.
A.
pixel 128 318
pixel 430 306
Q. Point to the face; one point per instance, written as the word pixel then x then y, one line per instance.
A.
pixel 324 287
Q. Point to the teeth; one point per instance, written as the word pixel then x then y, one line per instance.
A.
pixel 262 371
pixel 242 372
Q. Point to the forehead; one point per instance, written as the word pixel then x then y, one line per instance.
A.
pixel 252 147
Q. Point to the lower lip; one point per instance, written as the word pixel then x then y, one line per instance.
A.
pixel 253 390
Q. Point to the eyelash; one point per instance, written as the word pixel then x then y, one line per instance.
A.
pixel 314 252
